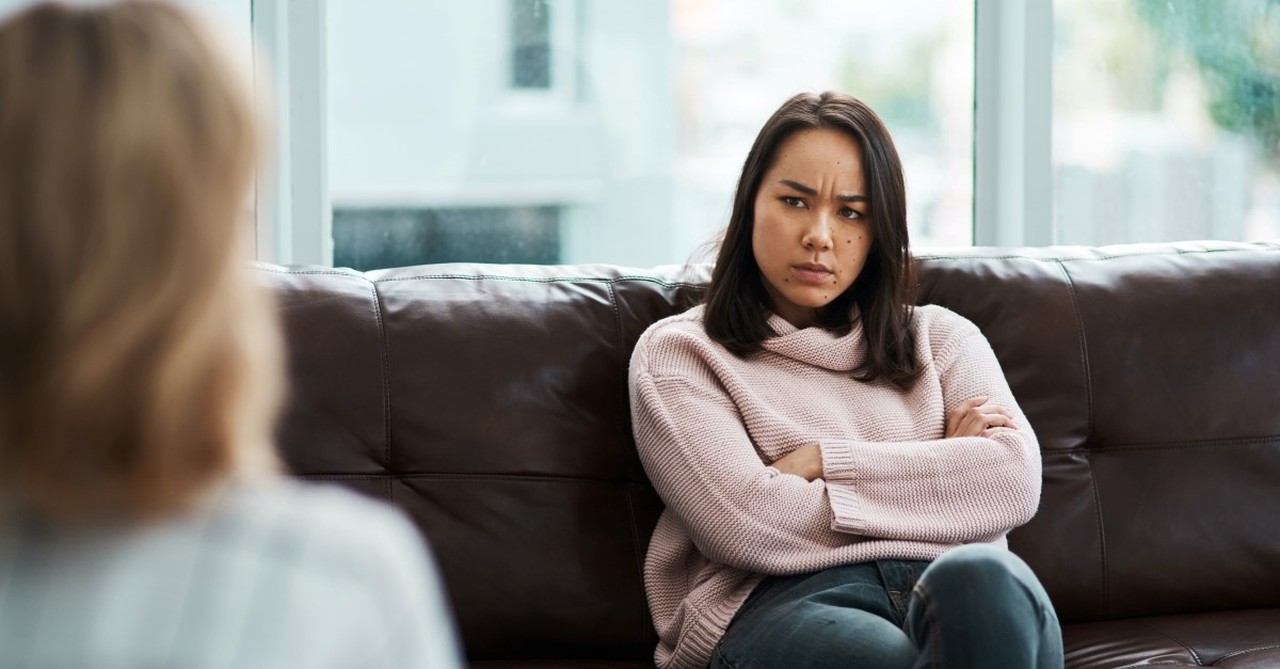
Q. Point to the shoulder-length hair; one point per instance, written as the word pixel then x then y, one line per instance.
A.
pixel 139 361
pixel 737 305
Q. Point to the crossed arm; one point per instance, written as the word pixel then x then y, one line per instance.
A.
pixel 975 484
pixel 975 417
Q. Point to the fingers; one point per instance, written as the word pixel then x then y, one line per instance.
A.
pixel 999 420
pixel 973 417
pixel 1000 410
pixel 957 414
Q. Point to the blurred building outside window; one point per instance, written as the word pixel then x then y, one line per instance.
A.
pixel 620 138
pixel 1166 120
pixel 570 131
pixel 531 44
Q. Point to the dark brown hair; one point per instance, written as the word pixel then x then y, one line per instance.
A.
pixel 737 305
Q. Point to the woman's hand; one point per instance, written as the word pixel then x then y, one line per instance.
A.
pixel 805 462
pixel 975 418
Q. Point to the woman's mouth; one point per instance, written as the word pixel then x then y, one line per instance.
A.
pixel 812 273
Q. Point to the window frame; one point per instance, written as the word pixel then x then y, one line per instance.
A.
pixel 1012 172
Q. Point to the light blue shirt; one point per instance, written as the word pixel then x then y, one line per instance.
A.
pixel 264 575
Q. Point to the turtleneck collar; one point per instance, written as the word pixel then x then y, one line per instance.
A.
pixel 815 346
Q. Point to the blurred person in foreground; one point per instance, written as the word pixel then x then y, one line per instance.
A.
pixel 142 519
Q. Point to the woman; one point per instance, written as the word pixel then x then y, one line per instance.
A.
pixel 839 468
pixel 141 520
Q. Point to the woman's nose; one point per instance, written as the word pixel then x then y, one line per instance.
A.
pixel 818 235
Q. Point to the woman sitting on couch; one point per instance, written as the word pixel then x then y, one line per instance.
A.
pixel 839 467
pixel 142 523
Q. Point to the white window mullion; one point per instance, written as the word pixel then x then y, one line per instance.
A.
pixel 294 217
pixel 1013 100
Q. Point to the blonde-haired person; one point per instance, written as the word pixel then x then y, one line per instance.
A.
pixel 141 520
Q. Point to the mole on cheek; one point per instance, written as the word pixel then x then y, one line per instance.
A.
pixel 786 280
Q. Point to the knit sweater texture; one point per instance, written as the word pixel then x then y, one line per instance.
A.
pixel 708 424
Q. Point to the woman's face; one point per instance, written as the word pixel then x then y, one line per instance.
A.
pixel 812 223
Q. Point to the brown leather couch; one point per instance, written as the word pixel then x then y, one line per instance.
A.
pixel 490 403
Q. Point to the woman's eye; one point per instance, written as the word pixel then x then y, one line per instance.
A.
pixel 852 214
pixel 793 201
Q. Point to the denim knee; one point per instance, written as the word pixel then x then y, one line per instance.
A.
pixel 983 575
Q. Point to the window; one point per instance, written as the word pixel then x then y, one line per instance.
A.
pixel 1020 123
pixel 598 131
pixel 1166 120
pixel 394 237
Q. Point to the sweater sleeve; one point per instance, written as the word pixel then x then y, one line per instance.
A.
pixel 699 457
pixel 947 490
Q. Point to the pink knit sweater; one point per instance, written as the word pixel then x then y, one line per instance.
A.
pixel 708 423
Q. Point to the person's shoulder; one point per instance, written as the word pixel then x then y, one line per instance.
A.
pixel 355 568
pixel 940 328
pixel 673 341
pixel 338 528
pixel 937 319
pixel 677 327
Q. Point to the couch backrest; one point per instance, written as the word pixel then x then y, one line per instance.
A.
pixel 490 402
pixel 1152 377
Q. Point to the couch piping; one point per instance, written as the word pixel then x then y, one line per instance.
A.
pixel 623 363
pixel 386 387
pixel 435 476
pixel 1174 639
pixel 1246 651
pixel 1177 445
pixel 647 620
pixel 1102 535
pixel 1088 398
pixel 1084 350
pixel 628 480
pixel 1260 246
pixel 535 279
pixel 624 403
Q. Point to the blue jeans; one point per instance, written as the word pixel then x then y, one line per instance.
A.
pixel 976 606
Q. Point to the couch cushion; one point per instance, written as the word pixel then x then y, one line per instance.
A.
pixel 1150 375
pixel 490 403
pixel 1237 639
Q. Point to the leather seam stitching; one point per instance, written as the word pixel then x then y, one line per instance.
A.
pixel 1264 248
pixel 1246 651
pixel 1203 443
pixel 464 477
pixel 531 279
pixel 1084 349
pixel 1174 639
pixel 386 385
pixel 635 547
pixel 1088 394
pixel 624 402
pixel 1154 664
pixel 1102 535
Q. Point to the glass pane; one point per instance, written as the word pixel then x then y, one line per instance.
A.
pixel 1166 120
pixel 531 44
pixel 571 131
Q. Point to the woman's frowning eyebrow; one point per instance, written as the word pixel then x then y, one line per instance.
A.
pixel 811 191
